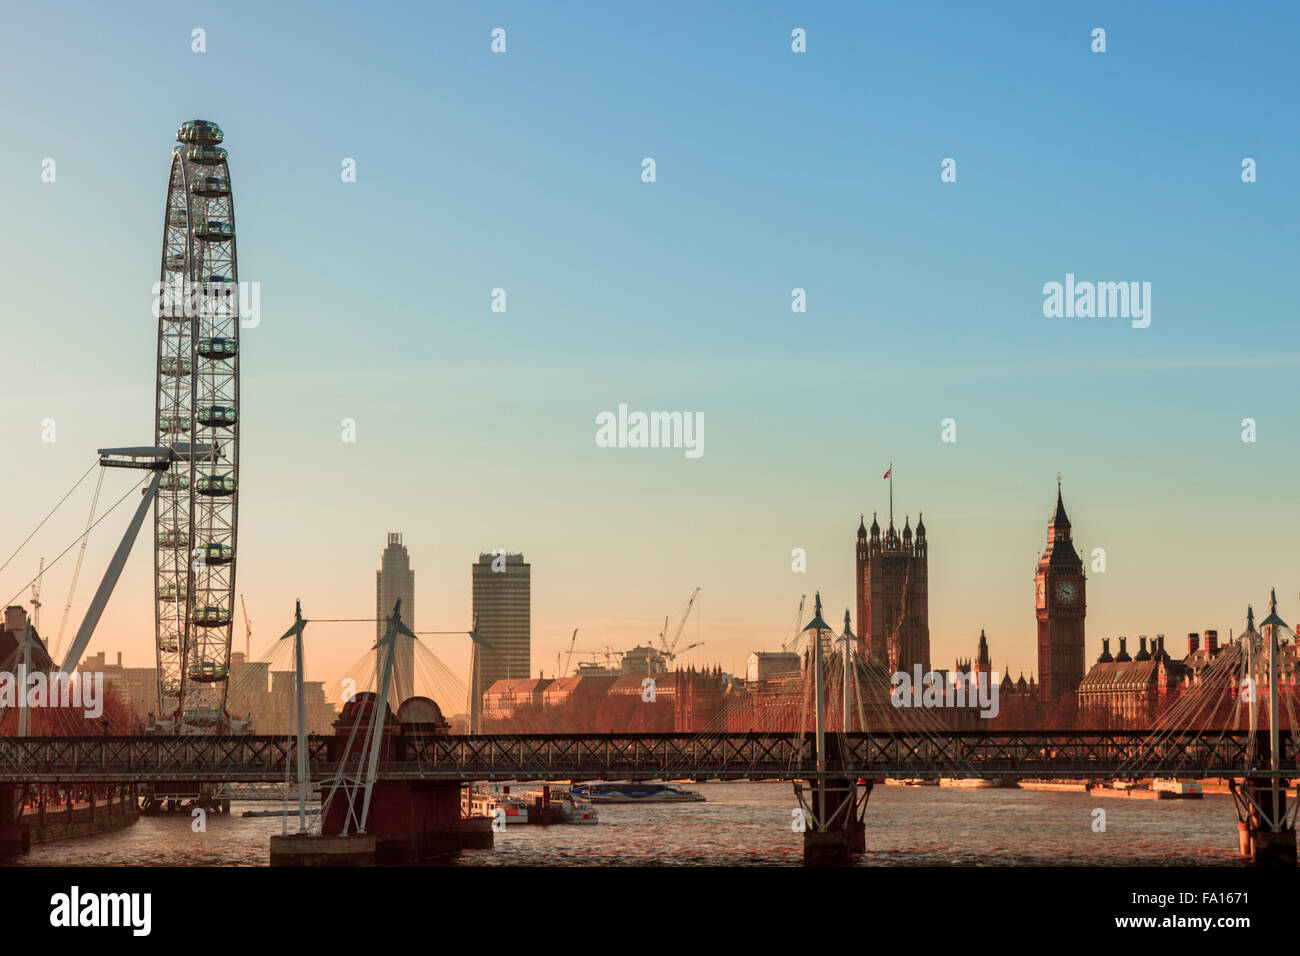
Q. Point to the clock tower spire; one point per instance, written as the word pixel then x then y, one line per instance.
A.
pixel 1061 608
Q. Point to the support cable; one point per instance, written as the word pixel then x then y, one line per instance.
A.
pixel 51 564
pixel 72 588
pixel 45 519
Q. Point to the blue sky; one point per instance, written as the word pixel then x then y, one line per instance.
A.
pixel 775 170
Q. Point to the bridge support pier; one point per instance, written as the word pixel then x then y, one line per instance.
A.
pixel 833 819
pixel 1263 831
pixel 409 822
pixel 15 836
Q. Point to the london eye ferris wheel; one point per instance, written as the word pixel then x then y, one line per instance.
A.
pixel 197 418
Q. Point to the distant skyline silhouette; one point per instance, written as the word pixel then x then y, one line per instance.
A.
pixel 775 171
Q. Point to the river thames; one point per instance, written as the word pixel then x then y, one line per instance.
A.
pixel 749 824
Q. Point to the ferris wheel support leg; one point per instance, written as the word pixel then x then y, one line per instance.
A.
pixel 114 572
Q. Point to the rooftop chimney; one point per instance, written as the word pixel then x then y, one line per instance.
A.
pixel 1142 654
pixel 119 658
pixel 1212 641
pixel 1193 642
pixel 15 617
pixel 1105 657
pixel 1123 651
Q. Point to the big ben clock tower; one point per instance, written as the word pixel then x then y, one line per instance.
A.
pixel 1060 589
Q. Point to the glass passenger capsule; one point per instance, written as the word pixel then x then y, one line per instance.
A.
pixel 210 186
pixel 202 714
pixel 199 132
pixel 174 538
pixel 218 285
pixel 173 425
pixel 168 645
pixel 208 672
pixel 205 155
pixel 210 616
pixel 174 482
pixel 176 368
pixel 215 553
pixel 218 348
pixel 173 592
pixel 214 230
pixel 216 486
pixel 178 217
pixel 175 262
pixel 217 416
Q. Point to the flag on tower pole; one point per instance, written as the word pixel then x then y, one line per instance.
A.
pixel 890 475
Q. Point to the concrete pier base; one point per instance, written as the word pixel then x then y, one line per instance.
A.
pixel 1273 849
pixel 837 832
pixel 1243 838
pixel 301 849
pixel 1256 838
pixel 370 849
pixel 827 847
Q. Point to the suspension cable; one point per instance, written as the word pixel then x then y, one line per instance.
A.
pixel 45 519
pixel 76 574
pixel 74 540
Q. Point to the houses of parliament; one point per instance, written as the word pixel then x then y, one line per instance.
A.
pixel 893 616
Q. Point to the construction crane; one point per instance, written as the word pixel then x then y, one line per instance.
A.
pixel 36 598
pixel 568 660
pixel 609 654
pixel 673 656
pixel 793 642
pixel 248 628
pixel 670 648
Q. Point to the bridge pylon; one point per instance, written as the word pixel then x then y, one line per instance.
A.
pixel 834 816
pixel 833 807
pixel 1265 823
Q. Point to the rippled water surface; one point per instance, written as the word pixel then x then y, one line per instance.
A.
pixel 749 823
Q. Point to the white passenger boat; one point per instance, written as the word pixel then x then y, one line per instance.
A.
pixel 635 793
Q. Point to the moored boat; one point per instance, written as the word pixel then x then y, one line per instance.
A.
pixel 598 793
pixel 1063 785
pixel 978 783
pixel 569 807
pixel 1177 789
pixel 514 809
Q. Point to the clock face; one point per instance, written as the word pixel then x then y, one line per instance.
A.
pixel 1067 592
pixel 1042 593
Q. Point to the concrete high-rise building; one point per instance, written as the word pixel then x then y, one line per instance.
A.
pixel 502 585
pixel 394 580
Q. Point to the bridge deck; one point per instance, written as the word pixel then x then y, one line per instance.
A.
pixel 751 756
